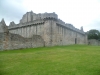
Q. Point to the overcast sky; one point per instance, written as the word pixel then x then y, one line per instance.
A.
pixel 84 13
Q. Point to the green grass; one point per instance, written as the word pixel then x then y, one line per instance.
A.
pixel 58 60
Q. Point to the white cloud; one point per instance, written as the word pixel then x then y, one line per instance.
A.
pixel 77 12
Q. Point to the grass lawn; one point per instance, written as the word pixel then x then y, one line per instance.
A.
pixel 58 60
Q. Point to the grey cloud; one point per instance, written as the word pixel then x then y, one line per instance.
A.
pixel 11 10
pixel 94 25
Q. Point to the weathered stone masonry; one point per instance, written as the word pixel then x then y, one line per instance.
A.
pixel 38 30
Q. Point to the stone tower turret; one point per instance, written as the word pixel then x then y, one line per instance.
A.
pixel 3 27
pixel 81 28
pixel 12 23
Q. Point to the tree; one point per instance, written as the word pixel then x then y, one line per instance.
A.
pixel 94 34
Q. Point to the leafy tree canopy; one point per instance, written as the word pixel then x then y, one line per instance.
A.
pixel 93 34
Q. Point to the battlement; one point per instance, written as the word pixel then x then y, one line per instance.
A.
pixel 39 30
pixel 30 16
pixel 35 22
pixel 70 26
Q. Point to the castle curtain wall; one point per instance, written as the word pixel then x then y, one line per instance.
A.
pixel 66 36
pixel 29 31
pixel 39 30
pixel 52 33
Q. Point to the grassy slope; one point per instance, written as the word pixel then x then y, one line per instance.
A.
pixel 59 60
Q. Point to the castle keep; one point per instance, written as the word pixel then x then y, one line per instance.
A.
pixel 39 30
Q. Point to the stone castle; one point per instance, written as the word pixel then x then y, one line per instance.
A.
pixel 39 30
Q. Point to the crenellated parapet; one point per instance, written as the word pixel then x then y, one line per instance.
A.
pixel 39 30
pixel 36 22
pixel 30 16
pixel 70 26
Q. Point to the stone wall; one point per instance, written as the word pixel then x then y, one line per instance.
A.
pixel 18 41
pixel 66 36
pixel 30 16
pixel 38 30
pixel 27 29
pixel 1 40
pixel 9 41
pixel 94 42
